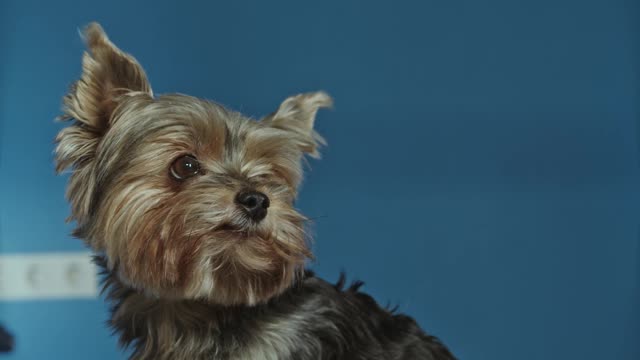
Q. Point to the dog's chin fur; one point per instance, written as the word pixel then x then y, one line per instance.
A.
pixel 193 271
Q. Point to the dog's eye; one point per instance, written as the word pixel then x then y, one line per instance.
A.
pixel 184 167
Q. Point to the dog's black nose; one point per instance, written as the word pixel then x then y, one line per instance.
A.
pixel 254 203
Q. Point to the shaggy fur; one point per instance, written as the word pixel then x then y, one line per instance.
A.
pixel 191 271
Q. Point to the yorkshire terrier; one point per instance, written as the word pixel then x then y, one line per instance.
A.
pixel 189 207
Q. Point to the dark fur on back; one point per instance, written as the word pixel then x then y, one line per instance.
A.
pixel 329 321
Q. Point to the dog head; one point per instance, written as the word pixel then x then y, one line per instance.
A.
pixel 185 198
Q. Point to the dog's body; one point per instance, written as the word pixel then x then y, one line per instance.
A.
pixel 190 208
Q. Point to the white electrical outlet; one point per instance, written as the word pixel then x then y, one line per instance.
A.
pixel 47 276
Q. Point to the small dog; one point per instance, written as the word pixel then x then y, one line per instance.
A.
pixel 189 208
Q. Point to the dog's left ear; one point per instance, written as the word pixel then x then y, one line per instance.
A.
pixel 297 115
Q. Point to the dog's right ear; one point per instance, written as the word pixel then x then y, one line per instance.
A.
pixel 108 76
pixel 108 73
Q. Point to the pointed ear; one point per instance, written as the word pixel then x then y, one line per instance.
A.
pixel 297 115
pixel 107 74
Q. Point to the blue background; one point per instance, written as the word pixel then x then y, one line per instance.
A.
pixel 482 169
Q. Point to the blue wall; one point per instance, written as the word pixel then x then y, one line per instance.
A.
pixel 482 169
